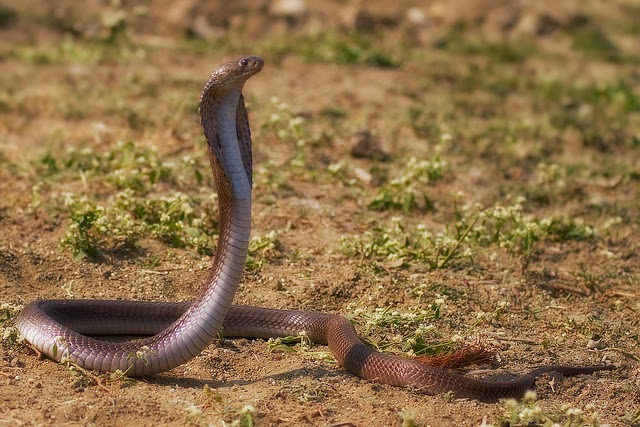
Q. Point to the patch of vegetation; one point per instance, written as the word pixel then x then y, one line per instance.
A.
pixel 297 140
pixel 414 332
pixel 620 96
pixel 402 193
pixel 259 249
pixel 632 418
pixel 293 131
pixel 426 124
pixel 355 48
pixel 138 208
pixel 287 125
pixel 211 404
pixel 112 45
pixel 126 166
pixel 457 41
pixel 177 220
pixel 300 343
pixel 8 332
pixel 528 413
pixel 334 47
pixel 8 17
pixel 594 42
pixel 68 51
pixel 79 51
pixel 564 228
pixel 492 77
pixel 550 184
pixel 472 233
pixel 601 113
pixel 268 176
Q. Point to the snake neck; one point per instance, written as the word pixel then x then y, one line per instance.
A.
pixel 226 128
pixel 228 139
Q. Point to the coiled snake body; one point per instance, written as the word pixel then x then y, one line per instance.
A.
pixel 181 331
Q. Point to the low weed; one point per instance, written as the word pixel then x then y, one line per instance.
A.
pixel 457 41
pixel 403 193
pixel 595 43
pixel 413 332
pixel 178 220
pixel 259 249
pixel 334 47
pixel 211 404
pixel 111 44
pixel 290 128
pixel 424 123
pixel 601 113
pixel 353 48
pixel 632 418
pixel 528 412
pixel 298 344
pixel 473 232
pixel 298 139
pixel 8 17
pixel 402 245
pixel 126 166
pixel 9 333
pixel 73 51
pixel 139 207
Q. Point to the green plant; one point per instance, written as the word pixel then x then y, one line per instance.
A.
pixel 564 228
pixel 126 166
pixel 595 43
pixel 178 220
pixel 413 332
pixel 632 419
pixel 401 193
pixel 8 17
pixel 9 333
pixel 353 48
pixel 244 417
pixel 472 231
pixel 289 128
pixel 259 248
pixel 529 413
pixel 80 237
pixel 77 51
pixel 599 112
pixel 457 41
pixel 551 180
pixel 407 419
pixel 424 123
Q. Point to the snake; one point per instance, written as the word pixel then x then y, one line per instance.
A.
pixel 175 332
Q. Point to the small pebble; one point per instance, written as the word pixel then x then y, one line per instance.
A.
pixel 288 7
pixel 597 344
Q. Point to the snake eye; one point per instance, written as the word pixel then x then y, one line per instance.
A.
pixel 244 62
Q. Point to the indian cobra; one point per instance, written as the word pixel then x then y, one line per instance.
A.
pixel 181 331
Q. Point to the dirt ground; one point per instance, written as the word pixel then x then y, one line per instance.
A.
pixel 505 91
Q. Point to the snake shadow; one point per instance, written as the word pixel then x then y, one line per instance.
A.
pixel 166 379
pixel 196 383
